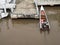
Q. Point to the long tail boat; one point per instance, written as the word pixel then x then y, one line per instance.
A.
pixel 44 23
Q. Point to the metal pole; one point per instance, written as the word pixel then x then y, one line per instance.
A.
pixel 4 6
pixel 14 1
pixel 36 6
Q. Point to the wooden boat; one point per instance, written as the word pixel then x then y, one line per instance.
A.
pixel 44 23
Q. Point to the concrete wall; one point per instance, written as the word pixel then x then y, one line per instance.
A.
pixel 48 2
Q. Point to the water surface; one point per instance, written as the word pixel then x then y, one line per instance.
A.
pixel 26 31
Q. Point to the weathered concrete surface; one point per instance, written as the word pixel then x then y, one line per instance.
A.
pixel 25 7
pixel 48 2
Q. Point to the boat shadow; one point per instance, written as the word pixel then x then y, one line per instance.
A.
pixel 44 30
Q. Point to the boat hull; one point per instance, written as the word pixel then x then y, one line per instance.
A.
pixel 44 23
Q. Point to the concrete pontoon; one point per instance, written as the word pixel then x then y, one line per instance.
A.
pixel 25 9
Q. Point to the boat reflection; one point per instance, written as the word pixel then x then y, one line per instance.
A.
pixel 45 30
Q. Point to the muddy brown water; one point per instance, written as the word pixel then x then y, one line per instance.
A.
pixel 26 31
